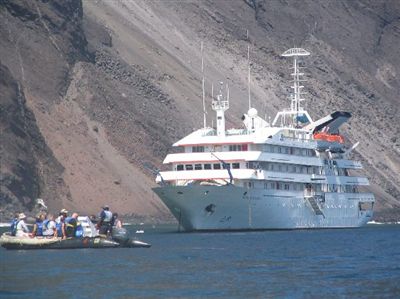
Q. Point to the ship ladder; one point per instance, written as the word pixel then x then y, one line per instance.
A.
pixel 314 205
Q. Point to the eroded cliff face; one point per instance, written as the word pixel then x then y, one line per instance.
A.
pixel 112 84
pixel 28 167
pixel 84 102
pixel 40 42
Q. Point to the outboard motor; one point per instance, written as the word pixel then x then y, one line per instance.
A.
pixel 120 235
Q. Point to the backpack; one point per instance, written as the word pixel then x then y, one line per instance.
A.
pixel 13 227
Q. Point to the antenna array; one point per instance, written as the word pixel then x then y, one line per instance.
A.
pixel 297 87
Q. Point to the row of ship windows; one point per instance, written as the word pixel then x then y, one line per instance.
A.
pixel 293 168
pixel 277 167
pixel 269 148
pixel 303 187
pixel 230 148
pixel 207 166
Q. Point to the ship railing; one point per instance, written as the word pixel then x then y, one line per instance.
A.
pixel 364 196
pixel 220 105
pixel 300 138
pixel 237 132
pixel 228 133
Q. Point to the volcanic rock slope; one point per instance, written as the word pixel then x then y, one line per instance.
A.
pixel 105 88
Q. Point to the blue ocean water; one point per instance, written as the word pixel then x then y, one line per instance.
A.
pixel 333 263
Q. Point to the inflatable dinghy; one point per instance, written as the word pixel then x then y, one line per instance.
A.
pixel 91 239
pixel 24 243
pixel 10 242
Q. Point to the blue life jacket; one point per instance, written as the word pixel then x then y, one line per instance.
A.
pixel 39 228
pixel 45 223
pixel 79 231
pixel 67 220
pixel 13 226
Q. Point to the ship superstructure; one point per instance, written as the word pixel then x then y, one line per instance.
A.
pixel 291 173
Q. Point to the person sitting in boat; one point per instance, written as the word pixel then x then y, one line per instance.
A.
pixel 49 226
pixel 115 221
pixel 105 223
pixel 38 226
pixel 79 232
pixel 71 225
pixel 21 228
pixel 13 225
pixel 60 224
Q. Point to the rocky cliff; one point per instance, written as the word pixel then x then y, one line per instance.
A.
pixel 28 167
pixel 40 44
pixel 105 88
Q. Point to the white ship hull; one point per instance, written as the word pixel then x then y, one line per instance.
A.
pixel 237 208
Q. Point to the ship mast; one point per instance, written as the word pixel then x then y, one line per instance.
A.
pixel 203 88
pixel 296 114
pixel 220 105
pixel 248 68
pixel 296 99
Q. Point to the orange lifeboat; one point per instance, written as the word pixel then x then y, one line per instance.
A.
pixel 328 137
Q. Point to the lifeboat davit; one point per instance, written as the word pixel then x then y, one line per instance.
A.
pixel 328 137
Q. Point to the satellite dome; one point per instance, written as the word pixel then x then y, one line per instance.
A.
pixel 252 112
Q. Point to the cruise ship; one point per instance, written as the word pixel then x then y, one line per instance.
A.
pixel 291 173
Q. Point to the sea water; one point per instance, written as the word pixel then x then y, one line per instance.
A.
pixel 329 263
